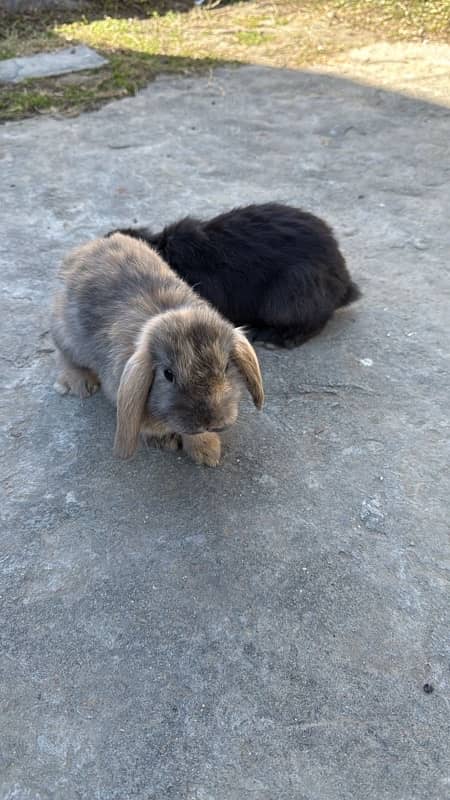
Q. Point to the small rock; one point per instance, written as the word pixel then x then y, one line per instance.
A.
pixel 371 514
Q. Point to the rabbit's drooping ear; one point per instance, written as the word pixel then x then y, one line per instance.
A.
pixel 134 387
pixel 247 363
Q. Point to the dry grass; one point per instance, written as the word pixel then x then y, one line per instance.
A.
pixel 141 41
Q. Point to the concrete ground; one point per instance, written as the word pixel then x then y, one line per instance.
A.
pixel 262 631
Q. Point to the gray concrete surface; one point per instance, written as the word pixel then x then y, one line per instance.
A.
pixel 264 630
pixel 69 59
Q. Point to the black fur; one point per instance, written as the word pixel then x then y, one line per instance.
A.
pixel 273 268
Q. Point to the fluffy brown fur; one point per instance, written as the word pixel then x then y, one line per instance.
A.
pixel 169 362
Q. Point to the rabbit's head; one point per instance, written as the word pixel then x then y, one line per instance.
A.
pixel 187 372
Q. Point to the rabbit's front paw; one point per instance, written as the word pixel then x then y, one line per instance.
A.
pixel 81 383
pixel 205 448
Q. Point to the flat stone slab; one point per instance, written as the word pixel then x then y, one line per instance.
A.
pixel 275 629
pixel 41 65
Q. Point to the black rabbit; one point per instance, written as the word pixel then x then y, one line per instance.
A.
pixel 273 268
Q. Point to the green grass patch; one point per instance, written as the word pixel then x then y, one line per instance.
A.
pixel 252 38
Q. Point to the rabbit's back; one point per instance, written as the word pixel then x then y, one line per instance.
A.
pixel 107 277
pixel 111 285
pixel 273 267
pixel 259 257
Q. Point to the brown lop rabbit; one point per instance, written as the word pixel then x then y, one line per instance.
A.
pixel 169 362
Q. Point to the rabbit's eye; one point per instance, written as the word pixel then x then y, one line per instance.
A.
pixel 168 374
